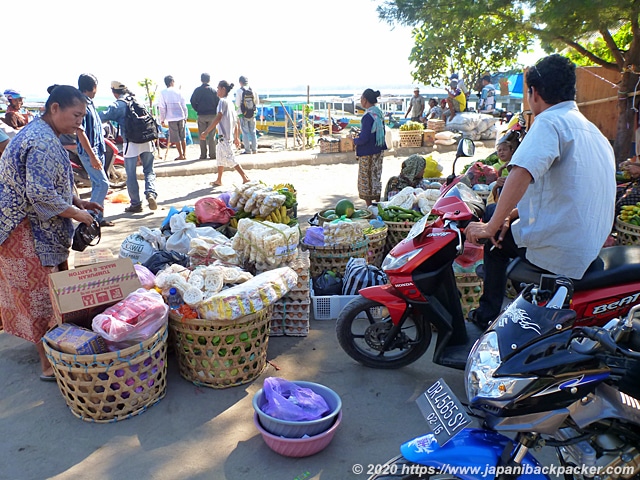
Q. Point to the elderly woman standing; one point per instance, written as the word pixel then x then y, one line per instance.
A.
pixel 370 145
pixel 37 204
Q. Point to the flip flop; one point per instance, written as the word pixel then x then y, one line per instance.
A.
pixel 107 223
pixel 47 378
pixel 215 184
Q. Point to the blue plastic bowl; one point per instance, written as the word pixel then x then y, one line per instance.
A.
pixel 293 429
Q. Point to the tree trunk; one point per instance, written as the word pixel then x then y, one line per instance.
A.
pixel 626 119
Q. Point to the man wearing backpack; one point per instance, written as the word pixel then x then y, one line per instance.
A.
pixel 247 105
pixel 204 101
pixel 134 144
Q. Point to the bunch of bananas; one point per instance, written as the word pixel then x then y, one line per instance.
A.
pixel 233 222
pixel 630 214
pixel 279 215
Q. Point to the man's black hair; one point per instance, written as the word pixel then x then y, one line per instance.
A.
pixel 554 78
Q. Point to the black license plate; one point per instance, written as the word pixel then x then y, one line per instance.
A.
pixel 444 413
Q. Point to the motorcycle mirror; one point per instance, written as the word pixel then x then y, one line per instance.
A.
pixel 466 148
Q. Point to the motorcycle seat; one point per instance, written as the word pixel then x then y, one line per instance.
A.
pixel 614 265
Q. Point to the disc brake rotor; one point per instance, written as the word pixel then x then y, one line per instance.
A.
pixel 376 334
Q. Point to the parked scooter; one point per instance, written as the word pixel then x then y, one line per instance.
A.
pixel 113 166
pixel 390 326
pixel 534 379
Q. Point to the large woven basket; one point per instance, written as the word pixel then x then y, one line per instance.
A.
pixel 628 234
pixel 470 287
pixel 377 242
pixel 334 257
pixel 396 232
pixel 221 353
pixel 113 386
pixel 411 138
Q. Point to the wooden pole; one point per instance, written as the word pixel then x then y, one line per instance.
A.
pixel 295 129
pixel 329 118
pixel 286 132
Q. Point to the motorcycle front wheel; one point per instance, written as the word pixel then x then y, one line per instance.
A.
pixel 364 326
pixel 117 176
pixel 399 468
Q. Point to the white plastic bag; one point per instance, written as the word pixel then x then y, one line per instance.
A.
pixel 136 248
pixel 181 233
pixel 133 320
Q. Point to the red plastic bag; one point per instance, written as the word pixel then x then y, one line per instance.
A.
pixel 213 210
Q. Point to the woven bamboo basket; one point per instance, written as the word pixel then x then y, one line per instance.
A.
pixel 396 232
pixel 470 287
pixel 377 242
pixel 334 257
pixel 114 386
pixel 221 353
pixel 628 234
pixel 411 138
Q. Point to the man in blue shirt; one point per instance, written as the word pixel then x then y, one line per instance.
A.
pixel 90 145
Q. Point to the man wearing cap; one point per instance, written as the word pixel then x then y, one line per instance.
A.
pixel 247 124
pixel 204 101
pixel 461 85
pixel 13 117
pixel 173 110
pixel 416 105
pixel 456 101
pixel 117 112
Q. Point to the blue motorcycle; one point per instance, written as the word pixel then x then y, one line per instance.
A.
pixel 532 380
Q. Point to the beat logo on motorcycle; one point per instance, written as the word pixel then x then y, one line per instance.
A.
pixel 623 303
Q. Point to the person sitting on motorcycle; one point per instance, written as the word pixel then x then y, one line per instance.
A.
pixel 411 175
pixel 557 204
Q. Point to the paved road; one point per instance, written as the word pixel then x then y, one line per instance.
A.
pixel 201 433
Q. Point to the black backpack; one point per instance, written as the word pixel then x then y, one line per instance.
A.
pixel 248 104
pixel 139 124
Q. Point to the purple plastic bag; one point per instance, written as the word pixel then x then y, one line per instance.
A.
pixel 314 236
pixel 287 401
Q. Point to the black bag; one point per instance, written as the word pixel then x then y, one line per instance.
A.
pixel 248 104
pixel 139 124
pixel 327 284
pixel 84 235
pixel 359 275
pixel 159 260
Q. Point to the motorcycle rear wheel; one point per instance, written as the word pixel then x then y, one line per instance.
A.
pixel 362 328
pixel 399 468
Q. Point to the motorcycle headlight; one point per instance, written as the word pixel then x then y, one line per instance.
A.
pixel 484 359
pixel 393 263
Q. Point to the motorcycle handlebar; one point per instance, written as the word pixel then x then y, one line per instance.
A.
pixel 605 341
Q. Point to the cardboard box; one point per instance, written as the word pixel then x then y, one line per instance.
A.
pixel 346 144
pixel 428 138
pixel 69 338
pixel 92 255
pixel 81 293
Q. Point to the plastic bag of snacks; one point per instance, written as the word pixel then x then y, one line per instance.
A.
pixel 249 297
pixel 342 232
pixel 266 243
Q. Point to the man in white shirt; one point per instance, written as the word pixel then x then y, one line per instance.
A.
pixel 173 110
pixel 247 106
pixel 557 205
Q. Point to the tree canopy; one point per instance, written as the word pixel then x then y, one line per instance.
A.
pixel 485 36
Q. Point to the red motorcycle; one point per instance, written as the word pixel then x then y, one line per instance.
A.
pixel 113 166
pixel 390 326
